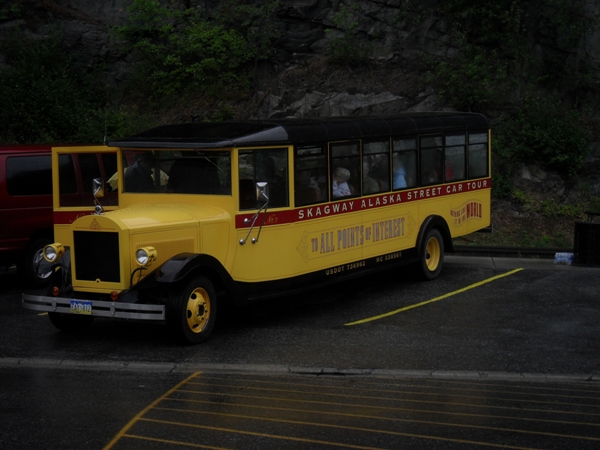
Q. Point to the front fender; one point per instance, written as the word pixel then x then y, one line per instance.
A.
pixel 183 265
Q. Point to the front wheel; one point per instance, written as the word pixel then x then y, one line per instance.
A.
pixel 192 311
pixel 431 255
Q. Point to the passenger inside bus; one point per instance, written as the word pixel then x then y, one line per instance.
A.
pixel 198 175
pixel 138 177
pixel 380 171
pixel 307 189
pixel 399 173
pixel 340 186
pixel 370 185
pixel 277 184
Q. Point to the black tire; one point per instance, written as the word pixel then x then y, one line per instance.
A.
pixel 192 311
pixel 27 267
pixel 70 323
pixel 431 255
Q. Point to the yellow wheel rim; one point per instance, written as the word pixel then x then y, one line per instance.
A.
pixel 198 310
pixel 432 254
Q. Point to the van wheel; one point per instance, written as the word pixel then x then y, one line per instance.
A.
pixel 192 311
pixel 431 255
pixel 70 323
pixel 28 266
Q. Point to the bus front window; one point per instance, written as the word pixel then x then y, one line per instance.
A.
pixel 181 172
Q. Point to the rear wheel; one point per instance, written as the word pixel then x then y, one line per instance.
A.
pixel 192 311
pixel 431 255
pixel 70 323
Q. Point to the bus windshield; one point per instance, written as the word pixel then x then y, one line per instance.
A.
pixel 181 172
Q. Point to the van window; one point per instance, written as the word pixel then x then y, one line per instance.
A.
pixel 29 175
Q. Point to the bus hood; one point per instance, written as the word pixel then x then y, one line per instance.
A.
pixel 151 216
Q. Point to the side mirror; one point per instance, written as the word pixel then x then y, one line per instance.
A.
pixel 262 192
pixel 98 187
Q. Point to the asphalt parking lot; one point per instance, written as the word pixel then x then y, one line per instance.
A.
pixel 498 352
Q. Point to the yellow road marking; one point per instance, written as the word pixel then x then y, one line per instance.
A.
pixel 126 428
pixel 441 297
pixel 322 425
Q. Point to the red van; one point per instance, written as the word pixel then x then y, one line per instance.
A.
pixel 26 216
pixel 26 224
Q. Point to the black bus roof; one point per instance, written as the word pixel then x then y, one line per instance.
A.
pixel 300 131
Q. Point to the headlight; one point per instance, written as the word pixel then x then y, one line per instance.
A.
pixel 145 256
pixel 53 252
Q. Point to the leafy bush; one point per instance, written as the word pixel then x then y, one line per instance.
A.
pixel 10 11
pixel 46 98
pixel 495 71
pixel 183 52
pixel 348 47
pixel 474 80
pixel 544 131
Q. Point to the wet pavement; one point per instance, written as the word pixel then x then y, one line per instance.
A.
pixel 498 352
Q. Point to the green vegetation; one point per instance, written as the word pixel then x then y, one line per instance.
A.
pixel 346 45
pixel 495 73
pixel 10 11
pixel 187 55
pixel 45 98
pixel 183 51
pixel 179 50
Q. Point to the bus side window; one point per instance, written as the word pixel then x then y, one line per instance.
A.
pixel 268 165
pixel 432 159
pixel 376 167
pixel 310 175
pixel 345 170
pixel 454 161
pixel 478 162
pixel 404 164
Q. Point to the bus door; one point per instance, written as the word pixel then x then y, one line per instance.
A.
pixel 73 172
pixel 263 224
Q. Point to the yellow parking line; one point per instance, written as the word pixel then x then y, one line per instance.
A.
pixel 450 294
pixel 140 415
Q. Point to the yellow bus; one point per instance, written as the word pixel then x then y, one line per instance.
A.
pixel 256 209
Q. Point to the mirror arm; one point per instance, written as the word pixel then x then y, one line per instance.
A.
pixel 253 221
pixel 98 192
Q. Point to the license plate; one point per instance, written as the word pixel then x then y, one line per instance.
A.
pixel 81 307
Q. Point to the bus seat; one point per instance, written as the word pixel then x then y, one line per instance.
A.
pixel 194 176
pixel 247 194
pixel 307 195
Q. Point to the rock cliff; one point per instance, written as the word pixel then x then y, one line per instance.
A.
pixel 299 81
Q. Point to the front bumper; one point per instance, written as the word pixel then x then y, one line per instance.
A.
pixel 99 308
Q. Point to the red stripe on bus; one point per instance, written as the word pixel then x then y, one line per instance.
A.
pixel 363 203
